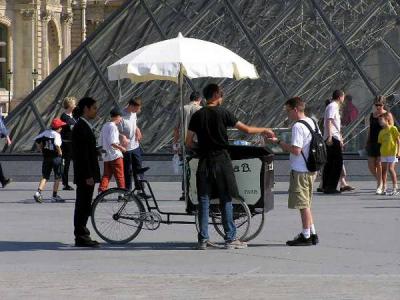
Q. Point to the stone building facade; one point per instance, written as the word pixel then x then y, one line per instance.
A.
pixel 37 35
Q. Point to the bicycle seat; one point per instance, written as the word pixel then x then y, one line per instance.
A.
pixel 142 170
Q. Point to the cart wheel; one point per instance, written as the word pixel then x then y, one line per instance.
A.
pixel 241 217
pixel 257 224
pixel 117 216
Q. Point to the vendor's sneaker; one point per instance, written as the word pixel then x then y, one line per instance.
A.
pixel 202 245
pixel 38 197
pixel 300 240
pixel 57 199
pixel 235 244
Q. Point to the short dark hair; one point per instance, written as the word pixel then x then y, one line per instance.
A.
pixel 337 94
pixel 115 112
pixel 84 102
pixel 296 102
pixel 209 90
pixel 194 96
pixel 135 101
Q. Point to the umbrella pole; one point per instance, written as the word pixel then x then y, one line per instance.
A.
pixel 183 135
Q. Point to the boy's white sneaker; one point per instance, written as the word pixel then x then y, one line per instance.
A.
pixel 38 197
pixel 394 192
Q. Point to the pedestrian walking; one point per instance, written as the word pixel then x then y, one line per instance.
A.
pixel 69 104
pixel 113 158
pixel 130 136
pixel 334 144
pixel 4 134
pixel 86 169
pixel 372 146
pixel 301 179
pixel 49 142
pixel 389 140
pixel 215 167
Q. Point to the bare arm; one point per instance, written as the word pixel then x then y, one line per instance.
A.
pixel 252 130
pixel 118 147
pixel 138 134
pixel 286 147
pixel 189 139
pixel 58 149
pixel 176 135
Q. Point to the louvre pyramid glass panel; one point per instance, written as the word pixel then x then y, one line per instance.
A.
pixel 304 48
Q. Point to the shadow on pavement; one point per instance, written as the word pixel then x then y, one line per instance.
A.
pixel 15 246
pixel 9 246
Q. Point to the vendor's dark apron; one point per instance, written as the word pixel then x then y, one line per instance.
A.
pixel 215 175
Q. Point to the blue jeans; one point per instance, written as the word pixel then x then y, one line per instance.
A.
pixel 132 162
pixel 226 208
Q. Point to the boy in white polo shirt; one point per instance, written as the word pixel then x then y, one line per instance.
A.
pixel 113 157
pixel 301 179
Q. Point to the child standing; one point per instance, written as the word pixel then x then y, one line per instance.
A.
pixel 49 142
pixel 113 158
pixel 389 140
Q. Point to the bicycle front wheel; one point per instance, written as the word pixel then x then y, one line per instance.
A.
pixel 117 216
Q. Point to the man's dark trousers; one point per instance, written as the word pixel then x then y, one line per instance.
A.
pixel 83 208
pixel 67 156
pixel 132 162
pixel 2 178
pixel 333 167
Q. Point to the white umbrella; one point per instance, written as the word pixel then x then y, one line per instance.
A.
pixel 167 60
pixel 174 58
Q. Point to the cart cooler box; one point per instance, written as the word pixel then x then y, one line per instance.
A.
pixel 254 172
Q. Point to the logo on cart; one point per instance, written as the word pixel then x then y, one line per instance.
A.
pixel 245 168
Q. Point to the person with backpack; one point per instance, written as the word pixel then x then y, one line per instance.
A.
pixel 49 142
pixel 307 155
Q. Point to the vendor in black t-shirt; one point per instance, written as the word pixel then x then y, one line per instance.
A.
pixel 215 167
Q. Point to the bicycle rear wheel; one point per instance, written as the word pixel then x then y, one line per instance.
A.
pixel 257 224
pixel 117 216
pixel 241 218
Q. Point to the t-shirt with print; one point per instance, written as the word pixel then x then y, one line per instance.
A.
pixel 49 139
pixel 110 135
pixel 210 125
pixel 332 112
pixel 128 127
pixel 301 137
pixel 388 139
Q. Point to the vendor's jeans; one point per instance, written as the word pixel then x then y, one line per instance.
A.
pixel 227 217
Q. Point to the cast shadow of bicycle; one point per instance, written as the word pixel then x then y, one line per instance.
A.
pixel 15 246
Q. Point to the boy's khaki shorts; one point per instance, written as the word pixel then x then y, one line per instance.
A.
pixel 300 189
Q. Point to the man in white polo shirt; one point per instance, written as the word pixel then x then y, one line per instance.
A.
pixel 334 144
pixel 130 136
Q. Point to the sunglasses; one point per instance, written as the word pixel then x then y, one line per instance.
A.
pixel 378 104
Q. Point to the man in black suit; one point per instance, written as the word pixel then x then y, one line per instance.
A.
pixel 86 170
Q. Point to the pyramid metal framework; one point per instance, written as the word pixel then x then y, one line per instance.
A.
pixel 306 48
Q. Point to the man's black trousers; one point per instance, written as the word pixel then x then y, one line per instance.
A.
pixel 333 167
pixel 83 207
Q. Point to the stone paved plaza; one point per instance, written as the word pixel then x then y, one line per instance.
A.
pixel 358 256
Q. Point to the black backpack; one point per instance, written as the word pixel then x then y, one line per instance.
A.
pixel 317 156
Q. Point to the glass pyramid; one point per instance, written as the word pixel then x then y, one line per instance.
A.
pixel 304 48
